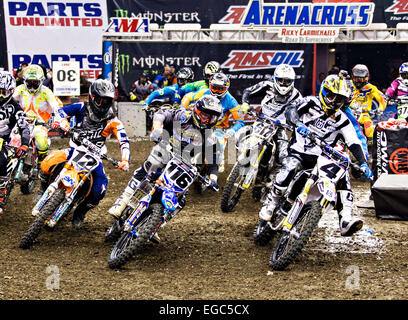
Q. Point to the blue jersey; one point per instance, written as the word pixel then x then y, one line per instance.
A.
pixel 357 127
pixel 174 92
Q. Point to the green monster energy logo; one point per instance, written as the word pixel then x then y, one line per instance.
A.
pixel 120 13
pixel 124 63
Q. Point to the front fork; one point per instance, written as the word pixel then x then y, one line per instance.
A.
pixel 253 169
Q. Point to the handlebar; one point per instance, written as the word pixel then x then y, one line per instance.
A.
pixel 268 119
pixel 165 106
pixel 90 146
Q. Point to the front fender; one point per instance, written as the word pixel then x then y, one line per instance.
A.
pixel 328 189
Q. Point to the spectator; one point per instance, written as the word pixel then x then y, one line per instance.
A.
pixel 48 80
pixel 167 78
pixel 319 81
pixel 84 83
pixel 141 88
pixel 18 75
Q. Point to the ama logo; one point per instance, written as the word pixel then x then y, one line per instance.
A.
pixel 239 60
pixel 234 15
pixel 128 25
pixel 398 7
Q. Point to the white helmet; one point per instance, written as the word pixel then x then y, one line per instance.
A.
pixel 284 79
pixel 33 76
pixel 210 68
pixel 7 86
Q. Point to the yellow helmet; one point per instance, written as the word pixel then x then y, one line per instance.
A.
pixel 33 76
pixel 333 93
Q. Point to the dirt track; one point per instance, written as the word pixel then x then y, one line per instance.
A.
pixel 204 254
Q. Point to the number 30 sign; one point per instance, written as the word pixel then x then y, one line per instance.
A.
pixel 65 76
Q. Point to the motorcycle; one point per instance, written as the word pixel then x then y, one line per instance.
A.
pixel 29 173
pixel 71 182
pixel 153 107
pixel 314 194
pixel 256 161
pixel 402 106
pixel 163 198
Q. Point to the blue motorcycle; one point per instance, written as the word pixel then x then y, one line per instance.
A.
pixel 163 199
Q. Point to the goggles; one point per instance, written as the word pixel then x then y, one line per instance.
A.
pixel 218 89
pixel 33 84
pixel 333 100
pixel 284 82
pixel 404 75
pixel 4 93
pixel 103 102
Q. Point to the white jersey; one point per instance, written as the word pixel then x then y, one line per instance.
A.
pixel 329 128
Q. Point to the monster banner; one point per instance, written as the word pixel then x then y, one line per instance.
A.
pixel 245 64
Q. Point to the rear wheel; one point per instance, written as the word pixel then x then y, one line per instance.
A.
pixel 233 189
pixel 129 243
pixel 290 244
pixel 35 229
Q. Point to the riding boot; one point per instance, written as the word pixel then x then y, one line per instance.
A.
pixel 348 224
pixel 43 186
pixel 3 191
pixel 271 202
pixel 80 212
pixel 123 200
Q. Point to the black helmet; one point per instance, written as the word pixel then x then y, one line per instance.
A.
pixel 101 97
pixel 184 76
pixel 207 111
pixel 7 86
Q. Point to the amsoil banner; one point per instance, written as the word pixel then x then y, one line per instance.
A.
pixel 42 32
pixel 390 152
pixel 245 64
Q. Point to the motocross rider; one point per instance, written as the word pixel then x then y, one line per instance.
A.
pixel 277 94
pixel 11 114
pixel 39 103
pixel 96 122
pixel 399 87
pixel 185 129
pixel 219 85
pixel 321 116
pixel 366 95
pixel 175 92
pixel 210 68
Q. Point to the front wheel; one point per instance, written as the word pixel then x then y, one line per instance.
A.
pixel 28 238
pixel 290 244
pixel 112 234
pixel 130 243
pixel 233 189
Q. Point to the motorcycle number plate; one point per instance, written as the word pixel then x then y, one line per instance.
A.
pixel 403 110
pixel 179 175
pixel 329 169
pixel 84 160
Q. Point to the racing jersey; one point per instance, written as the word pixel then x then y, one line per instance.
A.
pixel 174 93
pixel 369 97
pixel 194 86
pixel 272 105
pixel 328 128
pixel 97 132
pixel 397 89
pixel 180 125
pixel 11 114
pixel 39 106
pixel 229 105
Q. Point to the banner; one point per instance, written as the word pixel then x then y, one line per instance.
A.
pixel 232 12
pixel 3 47
pixel 390 152
pixel 41 32
pixel 245 64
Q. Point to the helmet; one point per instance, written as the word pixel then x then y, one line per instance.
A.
pixel 33 76
pixel 7 86
pixel 359 75
pixel 184 76
pixel 101 96
pixel 207 110
pixel 210 68
pixel 219 84
pixel 403 70
pixel 333 94
pixel 284 79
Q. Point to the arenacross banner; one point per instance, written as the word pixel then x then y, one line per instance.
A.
pixel 232 12
pixel 245 64
pixel 42 32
